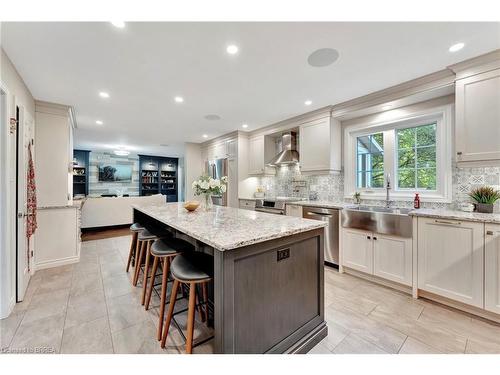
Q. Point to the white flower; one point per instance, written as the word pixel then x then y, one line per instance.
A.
pixel 204 185
pixel 194 184
pixel 223 188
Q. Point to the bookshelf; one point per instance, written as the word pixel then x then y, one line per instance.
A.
pixel 158 175
pixel 80 172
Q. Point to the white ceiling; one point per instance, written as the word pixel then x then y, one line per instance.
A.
pixel 145 65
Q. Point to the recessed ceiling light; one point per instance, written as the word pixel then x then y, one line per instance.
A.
pixel 121 152
pixel 308 102
pixel 323 57
pixel 244 126
pixel 179 99
pixel 163 145
pixel 119 24
pixel 456 47
pixel 99 122
pixel 212 117
pixel 103 94
pixel 205 136
pixel 232 49
pixel 386 107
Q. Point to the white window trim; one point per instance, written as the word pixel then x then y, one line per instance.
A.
pixel 443 116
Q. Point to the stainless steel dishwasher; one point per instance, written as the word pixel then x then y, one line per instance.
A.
pixel 331 217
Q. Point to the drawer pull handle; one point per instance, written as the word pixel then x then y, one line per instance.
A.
pixel 448 222
pixel 375 238
pixel 368 237
pixel 489 232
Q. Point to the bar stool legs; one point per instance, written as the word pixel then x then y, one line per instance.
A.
pixel 146 273
pixel 138 261
pixel 173 296
pixel 163 297
pixel 190 320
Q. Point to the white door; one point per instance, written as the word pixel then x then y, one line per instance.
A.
pixel 450 259
pixel 392 258
pixel 492 268
pixel 25 137
pixel 357 250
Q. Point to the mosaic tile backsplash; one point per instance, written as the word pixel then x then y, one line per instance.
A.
pixel 289 182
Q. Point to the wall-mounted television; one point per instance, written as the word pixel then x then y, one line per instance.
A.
pixel 115 173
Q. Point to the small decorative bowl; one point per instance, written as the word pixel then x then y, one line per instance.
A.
pixel 191 205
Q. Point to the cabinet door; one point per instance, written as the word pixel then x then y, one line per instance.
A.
pixel 256 155
pixel 392 258
pixel 220 150
pixel 357 250
pixel 450 259
pixel 478 107
pixel 232 148
pixel 293 210
pixel 315 145
pixel 492 268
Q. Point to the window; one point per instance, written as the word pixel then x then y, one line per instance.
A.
pixel 416 151
pixel 370 161
pixel 416 157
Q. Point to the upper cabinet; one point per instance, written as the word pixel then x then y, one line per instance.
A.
pixel 260 150
pixel 320 146
pixel 477 95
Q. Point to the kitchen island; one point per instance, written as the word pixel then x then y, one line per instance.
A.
pixel 268 294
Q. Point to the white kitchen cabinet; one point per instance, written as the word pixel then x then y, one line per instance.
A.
pixel 357 250
pixel 259 152
pixel 293 210
pixel 320 146
pixel 450 259
pixel 388 257
pixel 477 128
pixel 492 268
pixel 247 204
pixel 392 258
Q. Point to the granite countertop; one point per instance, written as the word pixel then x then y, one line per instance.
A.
pixel 456 215
pixel 325 204
pixel 226 228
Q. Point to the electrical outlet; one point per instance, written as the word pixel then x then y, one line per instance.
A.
pixel 283 254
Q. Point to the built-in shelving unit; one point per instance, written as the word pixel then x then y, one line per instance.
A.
pixel 158 175
pixel 80 172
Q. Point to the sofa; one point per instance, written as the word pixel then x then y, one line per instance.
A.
pixel 111 211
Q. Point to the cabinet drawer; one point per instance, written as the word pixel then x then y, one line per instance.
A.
pixel 247 204
pixel 293 210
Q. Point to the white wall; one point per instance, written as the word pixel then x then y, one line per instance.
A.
pixel 18 94
pixel 193 167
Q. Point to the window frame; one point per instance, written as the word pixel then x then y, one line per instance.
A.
pixel 395 120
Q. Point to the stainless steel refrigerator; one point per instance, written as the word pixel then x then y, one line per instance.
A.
pixel 217 168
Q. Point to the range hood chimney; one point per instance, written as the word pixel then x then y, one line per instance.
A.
pixel 289 153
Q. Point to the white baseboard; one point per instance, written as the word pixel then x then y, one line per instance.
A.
pixel 56 263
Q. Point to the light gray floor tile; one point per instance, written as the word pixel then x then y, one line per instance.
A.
pixel 354 344
pixel 125 311
pixel 43 333
pixel 138 339
pixel 8 327
pixel 85 308
pixel 118 285
pixel 413 346
pixel 91 338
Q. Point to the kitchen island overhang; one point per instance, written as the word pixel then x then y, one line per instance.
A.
pixel 268 294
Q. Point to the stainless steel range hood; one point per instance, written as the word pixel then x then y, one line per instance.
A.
pixel 289 153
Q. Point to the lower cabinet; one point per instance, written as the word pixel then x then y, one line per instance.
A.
pixel 451 259
pixel 388 257
pixel 247 204
pixel 393 258
pixel 357 250
pixel 492 268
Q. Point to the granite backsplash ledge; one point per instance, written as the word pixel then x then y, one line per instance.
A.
pixel 291 183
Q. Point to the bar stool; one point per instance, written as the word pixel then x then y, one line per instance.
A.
pixel 145 239
pixel 164 251
pixel 134 248
pixel 192 269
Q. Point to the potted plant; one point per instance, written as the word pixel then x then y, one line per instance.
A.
pixel 208 186
pixel 485 197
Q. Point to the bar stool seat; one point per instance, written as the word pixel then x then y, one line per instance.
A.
pixel 191 268
pixel 136 227
pixel 166 247
pixel 146 235
pixel 133 252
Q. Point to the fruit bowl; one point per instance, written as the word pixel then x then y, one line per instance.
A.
pixel 191 205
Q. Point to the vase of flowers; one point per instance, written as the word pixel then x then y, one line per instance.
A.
pixel 208 186
pixel 485 197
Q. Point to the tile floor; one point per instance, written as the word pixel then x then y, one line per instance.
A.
pixel 91 307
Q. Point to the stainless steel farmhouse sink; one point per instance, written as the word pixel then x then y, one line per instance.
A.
pixel 392 221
